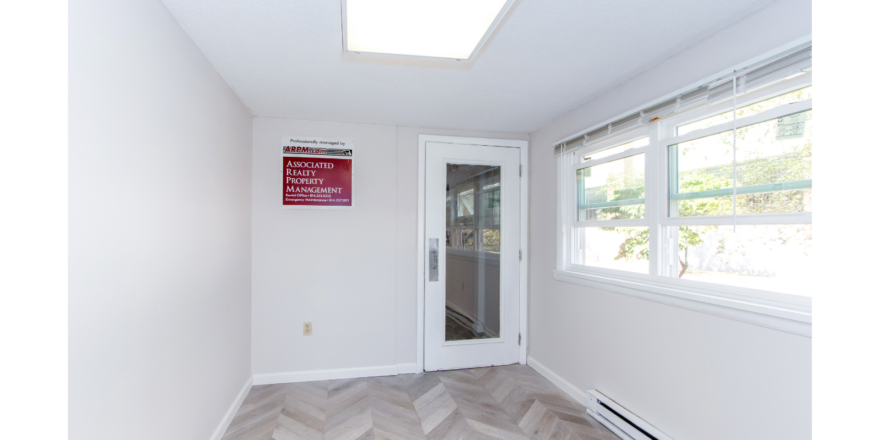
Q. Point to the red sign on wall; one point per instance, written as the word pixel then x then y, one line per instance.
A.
pixel 316 172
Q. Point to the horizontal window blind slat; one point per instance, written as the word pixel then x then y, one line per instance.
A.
pixel 574 144
pixel 695 97
pixel 749 79
pixel 779 69
pixel 597 133
pixel 664 108
pixel 625 123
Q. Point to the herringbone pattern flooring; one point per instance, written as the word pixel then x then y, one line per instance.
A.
pixel 510 403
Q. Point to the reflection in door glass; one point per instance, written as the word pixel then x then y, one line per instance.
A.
pixel 473 248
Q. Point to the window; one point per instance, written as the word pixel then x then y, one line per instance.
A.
pixel 771 175
pixel 613 190
pixel 748 110
pixel 712 198
pixel 640 142
pixel 473 209
pixel 610 205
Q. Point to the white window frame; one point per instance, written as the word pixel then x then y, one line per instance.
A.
pixel 791 313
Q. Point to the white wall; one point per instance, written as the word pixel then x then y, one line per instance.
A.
pixel 694 376
pixel 352 273
pixel 334 268
pixel 159 287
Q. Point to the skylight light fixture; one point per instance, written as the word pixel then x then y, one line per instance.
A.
pixel 451 29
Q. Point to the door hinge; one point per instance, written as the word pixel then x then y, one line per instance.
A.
pixel 520 171
pixel 520 255
pixel 519 342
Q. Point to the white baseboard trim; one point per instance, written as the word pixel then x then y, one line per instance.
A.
pixel 408 368
pixel 308 376
pixel 230 413
pixel 571 390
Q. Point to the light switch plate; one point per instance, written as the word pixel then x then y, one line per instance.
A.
pixel 307 328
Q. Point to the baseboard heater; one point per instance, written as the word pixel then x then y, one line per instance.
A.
pixel 620 421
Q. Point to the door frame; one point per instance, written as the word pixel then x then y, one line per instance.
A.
pixel 524 234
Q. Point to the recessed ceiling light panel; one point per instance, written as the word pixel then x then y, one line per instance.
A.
pixel 453 29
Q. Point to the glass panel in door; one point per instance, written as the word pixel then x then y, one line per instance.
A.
pixel 473 247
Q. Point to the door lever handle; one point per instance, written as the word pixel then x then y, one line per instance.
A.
pixel 434 255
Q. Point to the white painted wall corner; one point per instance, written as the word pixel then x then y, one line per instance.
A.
pixel 564 385
pixel 233 409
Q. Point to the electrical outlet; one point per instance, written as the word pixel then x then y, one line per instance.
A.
pixel 307 328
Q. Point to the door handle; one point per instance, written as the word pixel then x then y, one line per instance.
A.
pixel 434 256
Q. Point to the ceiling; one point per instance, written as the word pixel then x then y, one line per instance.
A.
pixel 284 59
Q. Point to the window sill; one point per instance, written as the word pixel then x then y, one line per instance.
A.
pixel 778 318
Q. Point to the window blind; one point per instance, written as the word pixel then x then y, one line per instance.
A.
pixel 748 79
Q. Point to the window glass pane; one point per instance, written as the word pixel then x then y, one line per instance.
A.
pixel 612 191
pixel 490 208
pixel 641 142
pixel 491 240
pixel 777 258
pixel 490 219
pixel 466 206
pixel 473 264
pixel 467 239
pixel 774 170
pixel 612 248
pixel 473 207
pixel 774 165
pixel 490 179
pixel 701 176
pixel 777 101
pixel 753 109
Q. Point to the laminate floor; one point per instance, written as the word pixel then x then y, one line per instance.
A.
pixel 510 402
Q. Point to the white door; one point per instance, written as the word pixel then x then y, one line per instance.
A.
pixel 472 225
